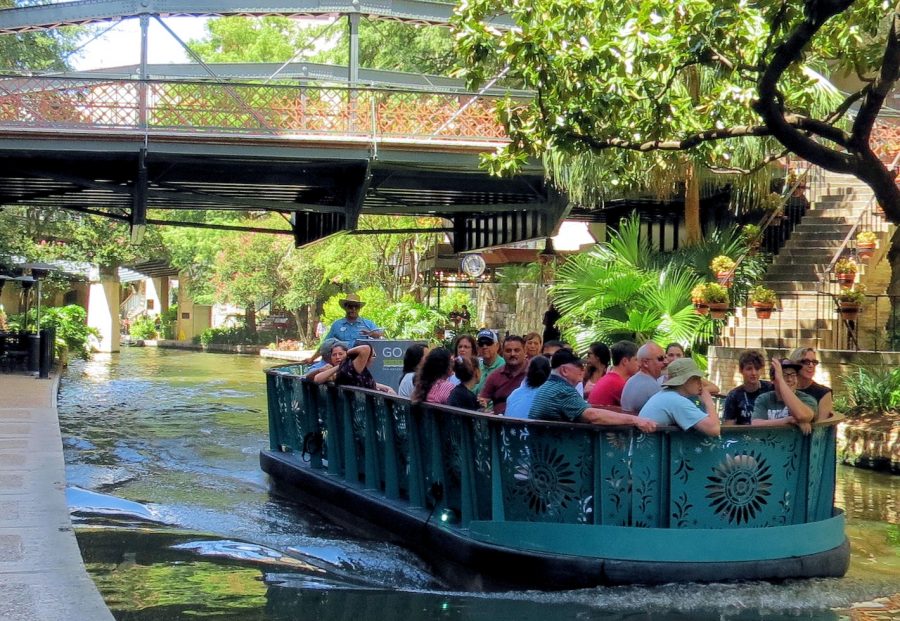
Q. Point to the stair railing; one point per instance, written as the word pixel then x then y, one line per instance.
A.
pixel 864 221
pixel 799 182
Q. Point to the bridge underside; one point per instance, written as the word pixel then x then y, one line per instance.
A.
pixel 320 190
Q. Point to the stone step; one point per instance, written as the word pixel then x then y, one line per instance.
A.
pixel 814 247
pixel 790 286
pixel 794 271
pixel 813 235
pixel 769 342
pixel 824 217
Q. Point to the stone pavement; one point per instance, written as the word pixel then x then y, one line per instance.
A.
pixel 42 576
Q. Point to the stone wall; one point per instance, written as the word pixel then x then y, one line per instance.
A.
pixel 510 308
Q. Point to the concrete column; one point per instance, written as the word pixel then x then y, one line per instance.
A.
pixel 192 318
pixel 103 308
pixel 157 290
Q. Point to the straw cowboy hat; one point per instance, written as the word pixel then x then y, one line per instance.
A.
pixel 351 299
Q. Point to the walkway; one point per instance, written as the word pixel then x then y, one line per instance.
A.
pixel 42 577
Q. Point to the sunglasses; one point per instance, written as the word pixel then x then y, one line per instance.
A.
pixel 485 343
pixel 809 363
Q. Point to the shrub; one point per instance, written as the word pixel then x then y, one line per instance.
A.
pixel 716 293
pixel 71 326
pixel 761 295
pixel 866 237
pixel 845 266
pixel 143 328
pixel 168 321
pixel 872 391
pixel 722 264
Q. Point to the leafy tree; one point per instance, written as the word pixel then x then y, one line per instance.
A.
pixel 617 90
pixel 245 271
pixel 37 51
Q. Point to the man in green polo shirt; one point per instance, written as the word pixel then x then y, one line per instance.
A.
pixel 558 400
pixel 488 354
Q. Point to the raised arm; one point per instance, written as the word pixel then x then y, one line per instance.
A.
pixel 360 356
pixel 709 425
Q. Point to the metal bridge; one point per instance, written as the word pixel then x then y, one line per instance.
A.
pixel 319 144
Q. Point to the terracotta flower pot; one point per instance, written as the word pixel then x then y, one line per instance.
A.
pixel 849 311
pixel 718 310
pixel 725 278
pixel 763 311
pixel 845 280
pixel 865 251
pixel 700 308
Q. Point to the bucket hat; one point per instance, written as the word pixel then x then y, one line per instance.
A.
pixel 681 370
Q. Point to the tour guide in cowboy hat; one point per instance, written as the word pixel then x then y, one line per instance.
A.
pixel 353 327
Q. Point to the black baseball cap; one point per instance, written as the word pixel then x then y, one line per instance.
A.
pixel 565 356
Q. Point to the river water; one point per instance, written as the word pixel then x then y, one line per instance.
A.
pixel 176 521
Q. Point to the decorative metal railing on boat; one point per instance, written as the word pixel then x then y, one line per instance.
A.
pixel 250 110
pixel 469 468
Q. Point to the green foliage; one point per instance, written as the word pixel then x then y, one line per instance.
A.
pixel 845 266
pixel 722 263
pixel 854 295
pixel 37 51
pixel 762 295
pixel 71 326
pixel 872 391
pixel 716 293
pixel 169 322
pixel 238 335
pixel 143 327
pixel 406 319
pixel 624 290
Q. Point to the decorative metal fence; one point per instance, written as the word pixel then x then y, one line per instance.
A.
pixel 286 111
pixel 470 467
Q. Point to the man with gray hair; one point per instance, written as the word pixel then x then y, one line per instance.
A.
pixel 645 383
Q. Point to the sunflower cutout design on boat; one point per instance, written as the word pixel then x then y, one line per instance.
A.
pixel 546 480
pixel 739 486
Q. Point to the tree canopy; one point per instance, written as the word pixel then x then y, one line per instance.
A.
pixel 733 84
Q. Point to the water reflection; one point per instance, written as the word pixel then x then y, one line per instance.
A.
pixel 178 434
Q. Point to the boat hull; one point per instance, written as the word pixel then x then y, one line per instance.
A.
pixel 493 556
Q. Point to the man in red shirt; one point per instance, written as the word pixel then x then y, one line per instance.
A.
pixel 501 382
pixel 608 389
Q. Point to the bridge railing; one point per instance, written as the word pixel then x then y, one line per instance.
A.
pixel 288 111
pixel 468 467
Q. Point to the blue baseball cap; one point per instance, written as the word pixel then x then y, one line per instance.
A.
pixel 487 334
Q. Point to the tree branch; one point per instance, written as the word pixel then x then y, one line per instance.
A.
pixel 877 91
pixel 769 106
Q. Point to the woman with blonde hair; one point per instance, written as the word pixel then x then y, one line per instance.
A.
pixel 533 344
pixel 806 357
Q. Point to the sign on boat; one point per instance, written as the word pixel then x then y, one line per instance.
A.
pixel 493 502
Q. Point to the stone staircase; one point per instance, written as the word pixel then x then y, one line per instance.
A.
pixel 803 318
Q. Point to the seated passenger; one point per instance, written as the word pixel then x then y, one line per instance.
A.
pixel 464 345
pixel 489 351
pixel 518 404
pixel 354 370
pixel 608 391
pixel 324 362
pixel 806 356
pixel 739 403
pixel 501 382
pixel 551 347
pixel 785 405
pixel 673 406
pixel 327 372
pixel 558 400
pixel 597 365
pixel 433 379
pixel 643 384
pixel 412 360
pixel 466 370
pixel 533 344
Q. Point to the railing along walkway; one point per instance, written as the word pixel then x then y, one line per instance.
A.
pixel 249 110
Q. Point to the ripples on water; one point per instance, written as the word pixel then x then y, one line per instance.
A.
pixel 197 532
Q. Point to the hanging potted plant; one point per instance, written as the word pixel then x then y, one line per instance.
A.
pixel 723 267
pixel 698 297
pixel 717 299
pixel 865 244
pixel 850 301
pixel 752 237
pixel 845 272
pixel 763 301
pixel 772 203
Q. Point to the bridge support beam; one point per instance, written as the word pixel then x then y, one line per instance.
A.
pixel 103 309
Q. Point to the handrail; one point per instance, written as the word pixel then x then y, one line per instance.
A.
pixel 771 215
pixel 868 210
